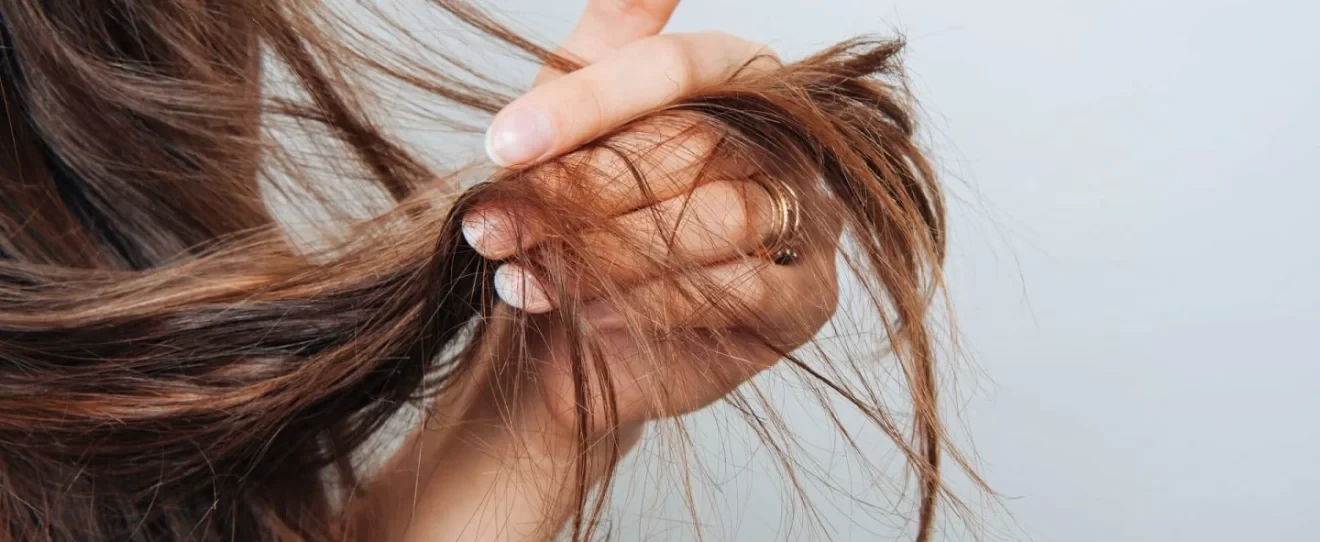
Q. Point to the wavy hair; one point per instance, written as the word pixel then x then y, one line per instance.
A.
pixel 175 365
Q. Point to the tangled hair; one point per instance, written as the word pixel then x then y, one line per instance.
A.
pixel 175 366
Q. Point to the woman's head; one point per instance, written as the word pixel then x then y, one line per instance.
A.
pixel 174 366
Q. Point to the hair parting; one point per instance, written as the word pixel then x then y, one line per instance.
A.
pixel 175 365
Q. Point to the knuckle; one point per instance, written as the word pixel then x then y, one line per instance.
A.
pixel 589 94
pixel 672 55
pixel 676 144
pixel 761 49
pixel 745 47
pixel 736 215
pixel 725 209
pixel 612 170
pixel 611 175
pixel 757 287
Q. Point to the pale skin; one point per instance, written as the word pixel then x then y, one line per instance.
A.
pixel 498 476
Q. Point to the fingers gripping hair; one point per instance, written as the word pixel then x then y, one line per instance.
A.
pixel 195 385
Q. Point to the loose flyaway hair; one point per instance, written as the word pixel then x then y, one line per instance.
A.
pixel 177 364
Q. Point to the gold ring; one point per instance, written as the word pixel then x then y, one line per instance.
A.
pixel 787 208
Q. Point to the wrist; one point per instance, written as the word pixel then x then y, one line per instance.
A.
pixel 532 439
pixel 498 473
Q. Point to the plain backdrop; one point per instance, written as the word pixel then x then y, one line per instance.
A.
pixel 1134 268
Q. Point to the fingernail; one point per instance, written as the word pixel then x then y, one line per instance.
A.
pixel 520 289
pixel 491 231
pixel 520 136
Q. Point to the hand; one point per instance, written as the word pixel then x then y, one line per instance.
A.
pixel 497 483
pixel 715 219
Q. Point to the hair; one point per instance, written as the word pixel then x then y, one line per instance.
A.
pixel 175 365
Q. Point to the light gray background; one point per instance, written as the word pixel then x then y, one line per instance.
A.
pixel 1135 267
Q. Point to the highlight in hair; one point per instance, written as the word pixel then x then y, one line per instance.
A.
pixel 175 366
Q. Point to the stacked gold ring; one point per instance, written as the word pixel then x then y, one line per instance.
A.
pixel 787 210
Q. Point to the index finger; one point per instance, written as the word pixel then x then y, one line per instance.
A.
pixel 646 75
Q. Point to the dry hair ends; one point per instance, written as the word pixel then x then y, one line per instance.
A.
pixel 174 367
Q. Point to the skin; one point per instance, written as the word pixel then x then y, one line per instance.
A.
pixel 507 465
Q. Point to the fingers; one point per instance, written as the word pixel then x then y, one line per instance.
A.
pixel 652 162
pixel 654 377
pixel 571 110
pixel 790 299
pixel 789 302
pixel 650 378
pixel 675 346
pixel 608 25
pixel 715 222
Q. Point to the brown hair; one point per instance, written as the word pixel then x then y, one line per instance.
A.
pixel 173 366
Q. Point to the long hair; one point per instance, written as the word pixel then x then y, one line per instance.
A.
pixel 175 365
